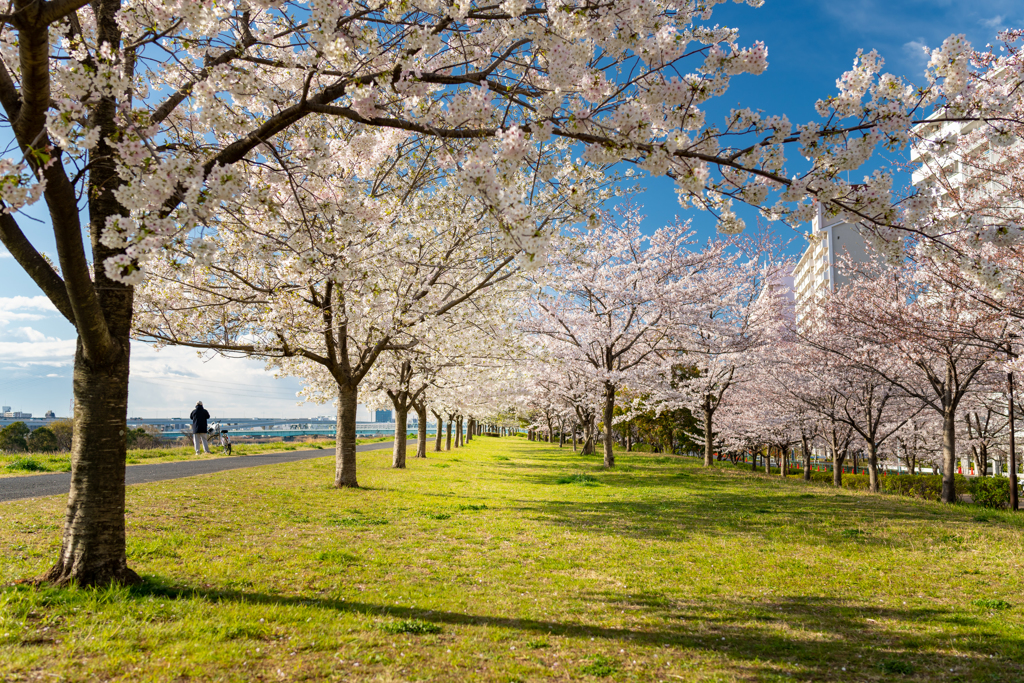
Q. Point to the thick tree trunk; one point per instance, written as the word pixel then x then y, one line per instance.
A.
pixel 873 467
pixel 783 461
pixel 421 430
pixel 440 434
pixel 93 543
pixel 753 461
pixel 470 425
pixel 458 432
pixel 837 467
pixel 949 456
pixel 448 435
pixel 345 450
pixel 708 438
pixel 609 415
pixel 401 425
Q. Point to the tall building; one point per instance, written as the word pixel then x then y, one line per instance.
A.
pixel 382 416
pixel 820 270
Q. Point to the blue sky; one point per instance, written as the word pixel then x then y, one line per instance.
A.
pixel 810 43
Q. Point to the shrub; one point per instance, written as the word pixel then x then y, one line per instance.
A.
pixel 859 482
pixel 991 492
pixel 26 465
pixel 927 486
pixel 42 440
pixel 64 430
pixel 12 437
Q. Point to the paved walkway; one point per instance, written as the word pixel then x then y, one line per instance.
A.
pixel 37 485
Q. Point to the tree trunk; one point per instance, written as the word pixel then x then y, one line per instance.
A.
pixel 93 542
pixel 401 425
pixel 708 438
pixel 807 457
pixel 439 430
pixel 345 449
pixel 949 456
pixel 1014 504
pixel 783 461
pixel 753 461
pixel 837 467
pixel 768 460
pixel 629 439
pixel 458 432
pixel 609 414
pixel 448 435
pixel 873 467
pixel 469 429
pixel 573 439
pixel 421 430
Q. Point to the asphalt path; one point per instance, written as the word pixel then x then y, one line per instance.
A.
pixel 57 483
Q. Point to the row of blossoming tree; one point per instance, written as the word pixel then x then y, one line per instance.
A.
pixel 315 183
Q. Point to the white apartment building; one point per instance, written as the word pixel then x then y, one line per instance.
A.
pixel 820 270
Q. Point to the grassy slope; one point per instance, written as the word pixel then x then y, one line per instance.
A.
pixel 660 571
pixel 12 465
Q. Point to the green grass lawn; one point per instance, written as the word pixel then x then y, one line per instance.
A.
pixel 21 464
pixel 514 561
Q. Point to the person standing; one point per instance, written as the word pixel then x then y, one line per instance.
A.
pixel 199 417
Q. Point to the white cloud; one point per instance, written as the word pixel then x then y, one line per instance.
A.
pixel 167 383
pixel 5 254
pixel 13 303
pixel 14 308
pixel 917 52
pixel 49 352
pixel 34 335
pixel 996 23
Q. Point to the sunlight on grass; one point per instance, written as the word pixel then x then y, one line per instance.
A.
pixel 488 570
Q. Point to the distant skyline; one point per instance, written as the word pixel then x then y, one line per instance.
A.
pixel 810 44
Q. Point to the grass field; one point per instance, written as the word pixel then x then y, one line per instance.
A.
pixel 515 561
pixel 21 464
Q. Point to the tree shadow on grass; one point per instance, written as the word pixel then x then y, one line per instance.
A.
pixel 810 638
pixel 724 513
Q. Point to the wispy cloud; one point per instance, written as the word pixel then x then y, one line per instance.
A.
pixel 48 352
pixel 5 254
pixel 996 23
pixel 916 52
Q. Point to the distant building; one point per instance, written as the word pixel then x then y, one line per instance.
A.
pixel 17 414
pixel 5 409
pixel 382 416
pixel 50 413
pixel 820 270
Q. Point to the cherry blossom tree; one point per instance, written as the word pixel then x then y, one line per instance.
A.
pixel 613 301
pixel 340 295
pixel 144 116
pixel 931 330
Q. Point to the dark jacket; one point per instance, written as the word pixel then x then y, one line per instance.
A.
pixel 199 417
